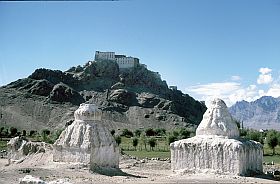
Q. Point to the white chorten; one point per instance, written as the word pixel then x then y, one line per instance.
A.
pixel 217 148
pixel 217 121
pixel 87 141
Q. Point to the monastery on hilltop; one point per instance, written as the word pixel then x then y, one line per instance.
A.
pixel 122 60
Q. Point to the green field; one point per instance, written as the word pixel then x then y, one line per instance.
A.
pixel 3 145
pixel 161 145
pixel 268 151
pixel 269 159
pixel 149 154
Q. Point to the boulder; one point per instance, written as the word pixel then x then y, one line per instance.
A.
pixel 41 87
pixel 87 141
pixel 217 148
pixel 122 96
pixel 60 181
pixel 147 100
pixel 53 76
pixel 118 85
pixel 63 93
pixel 19 148
pixel 28 179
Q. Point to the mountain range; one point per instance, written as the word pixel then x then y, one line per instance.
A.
pixel 263 113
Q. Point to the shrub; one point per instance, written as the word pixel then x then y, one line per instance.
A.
pixel 127 133
pixel 135 142
pixel 243 132
pixel 152 142
pixel 32 133
pixel 254 135
pixel 56 134
pixel 171 138
pixel 150 132
pixel 143 140
pixel 13 131
pixel 175 133
pixel 23 132
pixel 45 132
pixel 113 132
pixel 184 133
pixel 272 140
pixel 137 132
pixel 118 140
pixel 160 132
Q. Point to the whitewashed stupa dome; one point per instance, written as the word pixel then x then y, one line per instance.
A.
pixel 88 112
pixel 217 121
pixel 87 141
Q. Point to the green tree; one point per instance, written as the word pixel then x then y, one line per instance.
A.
pixel 160 131
pixel 175 133
pixel 1 132
pixel 192 134
pixel 243 132
pixel 56 134
pixel 152 142
pixel 150 132
pixel 272 140
pixel 254 135
pixel 45 136
pixel 113 132
pixel 118 140
pixel 32 133
pixel 6 132
pixel 143 140
pixel 23 132
pixel 127 133
pixel 171 138
pixel 45 132
pixel 13 131
pixel 184 133
pixel 135 142
pixel 137 132
pixel 238 123
pixel 2 129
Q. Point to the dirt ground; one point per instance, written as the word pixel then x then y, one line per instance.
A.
pixel 131 171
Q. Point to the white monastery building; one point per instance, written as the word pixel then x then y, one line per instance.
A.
pixel 122 60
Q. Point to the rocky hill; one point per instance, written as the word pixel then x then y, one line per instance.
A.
pixel 130 98
pixel 263 113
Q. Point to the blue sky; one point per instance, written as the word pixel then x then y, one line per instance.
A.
pixel 228 49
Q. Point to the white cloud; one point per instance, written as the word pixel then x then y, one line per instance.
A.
pixel 273 91
pixel 265 77
pixel 249 93
pixel 214 89
pixel 265 70
pixel 230 92
pixel 233 91
pixel 261 92
pixel 235 78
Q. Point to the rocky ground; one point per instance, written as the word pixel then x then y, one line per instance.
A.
pixel 131 171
